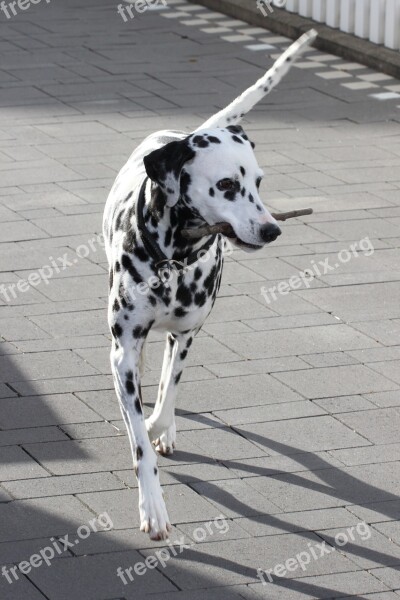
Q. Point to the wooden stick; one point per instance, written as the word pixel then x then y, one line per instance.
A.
pixel 226 229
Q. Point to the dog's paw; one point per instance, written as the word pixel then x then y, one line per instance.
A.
pixel 153 513
pixel 166 443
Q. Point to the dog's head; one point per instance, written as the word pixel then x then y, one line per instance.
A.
pixel 216 174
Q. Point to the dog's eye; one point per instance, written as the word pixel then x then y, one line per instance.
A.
pixel 226 185
pixel 258 182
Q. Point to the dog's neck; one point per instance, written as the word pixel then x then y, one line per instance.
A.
pixel 166 224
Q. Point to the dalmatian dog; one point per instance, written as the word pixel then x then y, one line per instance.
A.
pixel 161 280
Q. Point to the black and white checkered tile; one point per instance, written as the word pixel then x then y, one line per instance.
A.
pixel 350 75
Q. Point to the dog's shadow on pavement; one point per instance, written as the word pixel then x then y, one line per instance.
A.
pixel 333 482
pixel 31 423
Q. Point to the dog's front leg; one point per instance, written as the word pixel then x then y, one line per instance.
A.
pixel 161 424
pixel 153 513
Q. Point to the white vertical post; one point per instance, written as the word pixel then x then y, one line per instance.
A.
pixel 332 13
pixel 363 15
pixel 319 10
pixel 305 8
pixel 347 15
pixel 392 23
pixel 377 21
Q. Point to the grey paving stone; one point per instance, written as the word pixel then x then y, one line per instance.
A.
pixel 203 562
pixel 270 412
pixel 344 404
pixel 275 464
pixel 234 392
pixel 385 332
pixel 31 435
pixel 60 486
pixel 349 304
pixel 295 522
pixel 19 590
pixel 235 498
pixel 329 359
pixel 43 365
pixel 384 399
pixel 40 411
pixel 296 341
pixel 252 367
pixel 379 426
pixel 336 381
pixel 17 464
pixel 28 519
pixel 80 431
pixel 62 385
pixel 368 549
pixel 370 355
pixel 214 442
pixel 317 433
pixel 388 576
pixel 388 369
pixel 97 576
pixel 329 586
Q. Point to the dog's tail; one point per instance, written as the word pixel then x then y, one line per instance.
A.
pixel 234 112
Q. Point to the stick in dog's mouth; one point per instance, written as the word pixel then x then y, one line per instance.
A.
pixel 227 229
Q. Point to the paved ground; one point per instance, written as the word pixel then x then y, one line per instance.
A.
pixel 289 412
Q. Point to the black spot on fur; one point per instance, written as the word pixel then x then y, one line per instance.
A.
pixel 237 139
pixel 168 236
pixel 179 312
pixel 178 377
pixel 231 195
pixel 155 470
pixel 211 192
pixel 117 330
pixel 128 196
pixel 251 198
pixel 189 342
pixel 200 141
pixel 130 388
pixel 213 139
pixel 110 279
pixel 138 406
pixel 118 220
pixel 116 305
pixel 183 354
pixel 185 182
pixel 137 332
pixel 117 267
pixel 127 264
pixel 141 253
pixel 184 295
pixel 243 171
pixel 139 453
pixel 200 298
pixel 197 273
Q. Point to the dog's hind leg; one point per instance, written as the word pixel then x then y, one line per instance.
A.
pixel 125 357
pixel 161 424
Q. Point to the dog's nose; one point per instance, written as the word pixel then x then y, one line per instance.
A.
pixel 270 232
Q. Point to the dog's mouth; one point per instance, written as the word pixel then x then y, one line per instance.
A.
pixel 245 245
pixel 229 232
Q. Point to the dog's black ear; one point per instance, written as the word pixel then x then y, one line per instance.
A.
pixel 164 167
